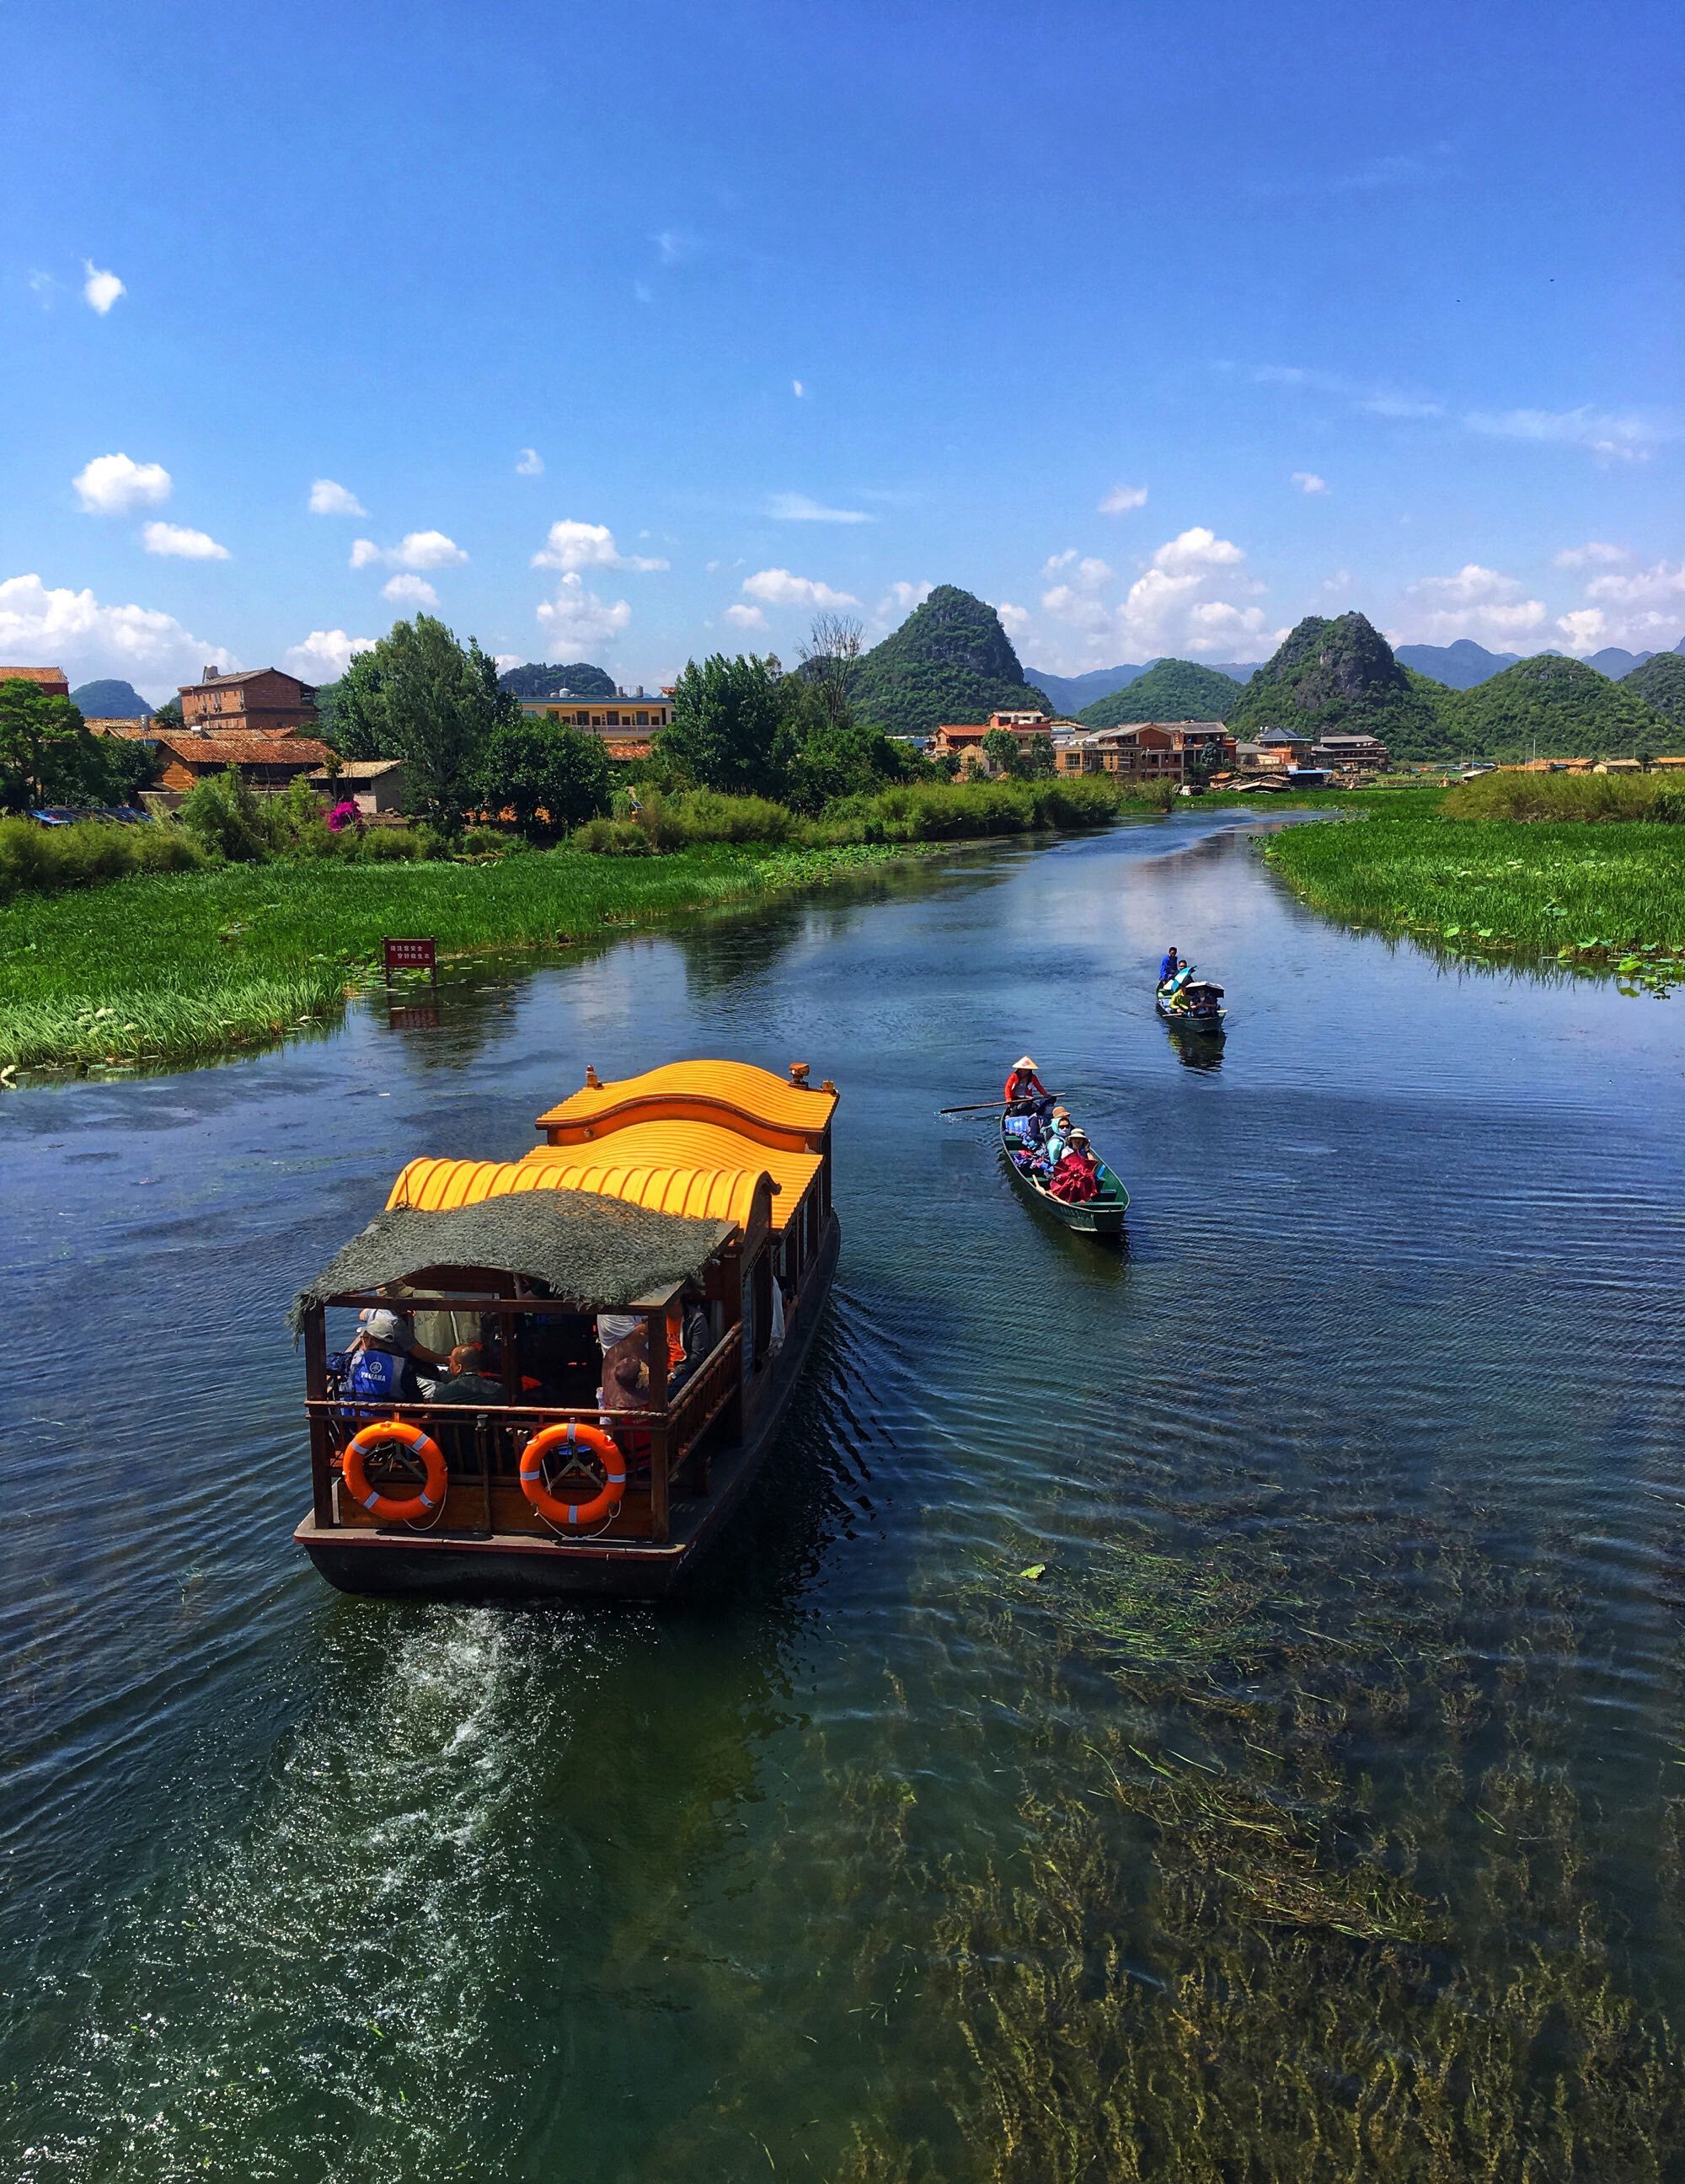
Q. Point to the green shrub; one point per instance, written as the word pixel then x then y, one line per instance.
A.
pixel 1590 798
pixel 1667 805
pixel 487 842
pixel 226 814
pixel 390 845
pixel 704 815
pixel 39 860
pixel 613 838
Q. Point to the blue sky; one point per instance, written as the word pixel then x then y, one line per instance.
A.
pixel 633 332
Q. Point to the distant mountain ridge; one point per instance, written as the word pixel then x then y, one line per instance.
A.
pixel 1559 708
pixel 1170 690
pixel 951 660
pixel 1461 665
pixel 1071 693
pixel 111 699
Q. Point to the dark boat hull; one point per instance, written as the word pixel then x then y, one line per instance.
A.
pixel 1093 1217
pixel 521 1566
pixel 1184 1020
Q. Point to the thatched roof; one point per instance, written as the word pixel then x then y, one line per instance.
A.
pixel 599 1251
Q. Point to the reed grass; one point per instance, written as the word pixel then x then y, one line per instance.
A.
pixel 1605 897
pixel 149 970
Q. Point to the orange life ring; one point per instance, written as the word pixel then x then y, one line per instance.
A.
pixel 387 1507
pixel 573 1513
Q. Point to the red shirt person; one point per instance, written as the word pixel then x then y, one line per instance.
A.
pixel 1024 1083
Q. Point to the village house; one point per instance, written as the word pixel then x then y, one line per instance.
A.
pixel 627 722
pixel 1352 753
pixel 51 682
pixel 1147 750
pixel 1276 749
pixel 251 701
pixel 964 739
pixel 375 785
pixel 267 762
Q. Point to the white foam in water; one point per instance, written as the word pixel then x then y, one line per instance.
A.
pixel 309 1999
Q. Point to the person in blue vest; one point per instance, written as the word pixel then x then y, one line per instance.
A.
pixel 1170 965
pixel 384 1357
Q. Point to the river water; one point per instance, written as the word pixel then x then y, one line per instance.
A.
pixel 1315 1813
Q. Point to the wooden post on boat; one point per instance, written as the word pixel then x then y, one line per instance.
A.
pixel 655 1341
pixel 315 1390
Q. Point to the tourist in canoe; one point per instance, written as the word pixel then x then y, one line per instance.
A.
pixel 1077 1177
pixel 1170 965
pixel 1024 1087
pixel 1058 1138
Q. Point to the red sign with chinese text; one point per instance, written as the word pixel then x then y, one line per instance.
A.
pixel 412 955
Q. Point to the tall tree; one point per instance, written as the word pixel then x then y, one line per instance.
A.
pixel 48 756
pixel 534 766
pixel 433 703
pixel 726 715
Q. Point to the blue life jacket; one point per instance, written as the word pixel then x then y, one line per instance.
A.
pixel 377 1373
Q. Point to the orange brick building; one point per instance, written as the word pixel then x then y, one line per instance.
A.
pixel 257 701
pixel 51 680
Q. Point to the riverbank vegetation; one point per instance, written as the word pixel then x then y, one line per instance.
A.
pixel 160 969
pixel 1607 897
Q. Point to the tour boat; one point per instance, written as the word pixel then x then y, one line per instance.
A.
pixel 672 1234
pixel 1100 1216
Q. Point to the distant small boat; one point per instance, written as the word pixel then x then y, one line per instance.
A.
pixel 1101 1216
pixel 1192 1005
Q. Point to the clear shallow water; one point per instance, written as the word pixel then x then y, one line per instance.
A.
pixel 1315 1813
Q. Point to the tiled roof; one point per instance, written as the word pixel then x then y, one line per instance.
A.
pixel 239 674
pixel 357 769
pixel 35 675
pixel 299 751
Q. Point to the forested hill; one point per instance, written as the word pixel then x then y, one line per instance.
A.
pixel 111 699
pixel 1661 682
pixel 541 680
pixel 1170 690
pixel 1339 677
pixel 1563 708
pixel 949 660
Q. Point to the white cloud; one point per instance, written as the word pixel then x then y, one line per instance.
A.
pixel 1090 572
pixel 1651 587
pixel 417 549
pixel 1215 626
pixel 746 617
pixel 1477 602
pixel 1016 622
pixel 1584 630
pixel 1307 482
pixel 902 597
pixel 675 246
pixel 324 654
pixel 574 545
pixel 796 508
pixel 409 592
pixel 1122 498
pixel 1197 549
pixel 1610 437
pixel 177 539
pixel 777 588
pixel 328 499
pixel 576 616
pixel 530 464
pixel 111 485
pixel 1595 550
pixel 798 389
pixel 101 290
pixel 44 286
pixel 72 630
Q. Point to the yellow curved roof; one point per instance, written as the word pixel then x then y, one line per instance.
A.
pixel 739 1085
pixel 690 1145
pixel 438 1186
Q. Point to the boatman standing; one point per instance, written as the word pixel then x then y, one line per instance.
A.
pixel 1024 1085
pixel 1169 967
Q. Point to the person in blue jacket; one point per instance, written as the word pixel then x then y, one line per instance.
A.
pixel 1169 967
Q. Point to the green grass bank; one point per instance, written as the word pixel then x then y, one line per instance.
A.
pixel 159 969
pixel 1606 897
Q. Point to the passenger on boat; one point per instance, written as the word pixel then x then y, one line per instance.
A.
pixel 1024 1087
pixel 1170 965
pixel 1057 1137
pixel 384 1356
pixel 1077 1177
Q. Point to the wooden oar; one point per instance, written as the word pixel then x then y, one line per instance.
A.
pixel 978 1107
